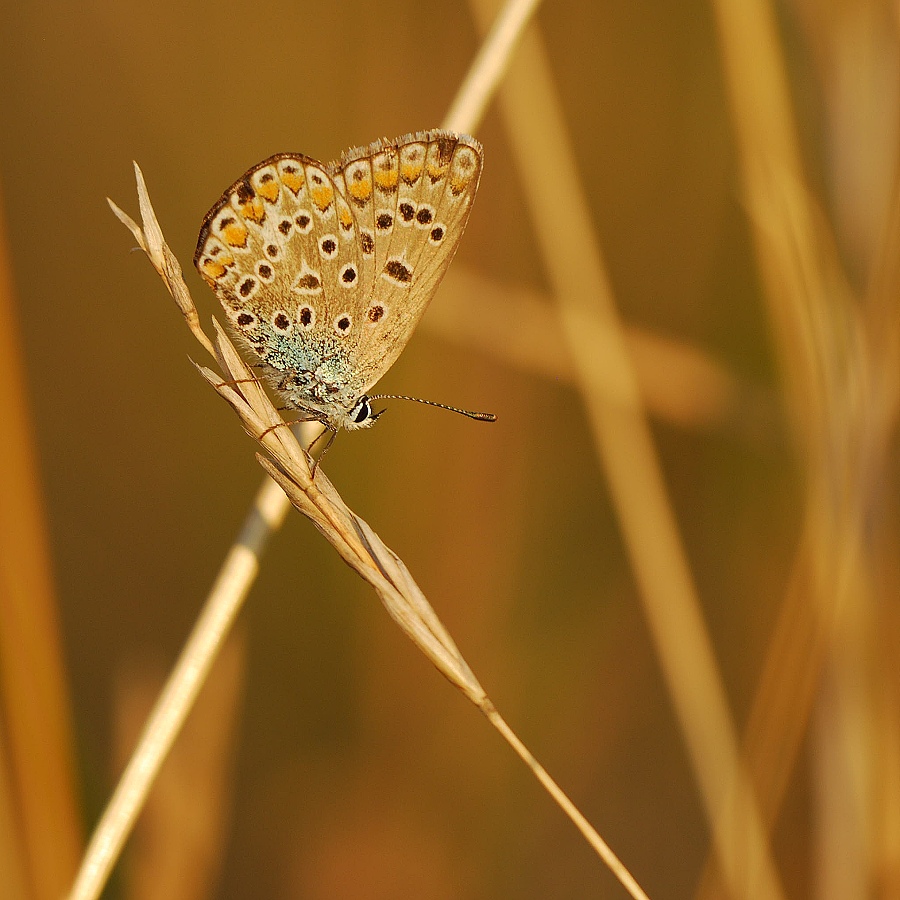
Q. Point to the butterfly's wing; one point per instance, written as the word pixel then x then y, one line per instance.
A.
pixel 326 270
pixel 283 254
pixel 411 200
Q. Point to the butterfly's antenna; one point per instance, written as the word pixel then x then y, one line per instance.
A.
pixel 479 416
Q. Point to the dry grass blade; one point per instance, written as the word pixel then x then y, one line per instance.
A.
pixel 621 433
pixel 164 261
pixel 317 499
pixel 367 554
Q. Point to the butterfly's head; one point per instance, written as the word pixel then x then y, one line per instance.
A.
pixel 361 416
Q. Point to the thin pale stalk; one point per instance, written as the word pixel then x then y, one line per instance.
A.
pixel 601 848
pixel 180 839
pixel 489 66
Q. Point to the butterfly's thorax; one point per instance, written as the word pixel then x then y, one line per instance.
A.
pixel 325 270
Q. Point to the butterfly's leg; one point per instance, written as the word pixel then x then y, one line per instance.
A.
pixel 310 418
pixel 316 462
pixel 233 381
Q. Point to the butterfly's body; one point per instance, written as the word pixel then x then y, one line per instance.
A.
pixel 325 270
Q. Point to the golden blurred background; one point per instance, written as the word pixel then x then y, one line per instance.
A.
pixel 626 594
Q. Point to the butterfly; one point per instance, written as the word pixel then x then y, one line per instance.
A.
pixel 324 270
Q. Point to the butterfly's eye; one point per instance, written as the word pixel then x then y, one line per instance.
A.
pixel 361 411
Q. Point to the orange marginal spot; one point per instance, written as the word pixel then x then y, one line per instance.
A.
pixel 436 171
pixel 268 190
pixel 386 178
pixel 235 234
pixel 412 170
pixel 322 195
pixel 463 170
pixel 213 270
pixel 458 182
pixel 360 190
pixel 345 217
pixel 252 209
pixel 293 180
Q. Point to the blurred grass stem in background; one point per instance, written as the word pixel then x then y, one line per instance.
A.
pixel 625 447
pixel 839 359
pixel 39 790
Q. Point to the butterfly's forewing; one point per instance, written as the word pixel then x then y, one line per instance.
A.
pixel 413 197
